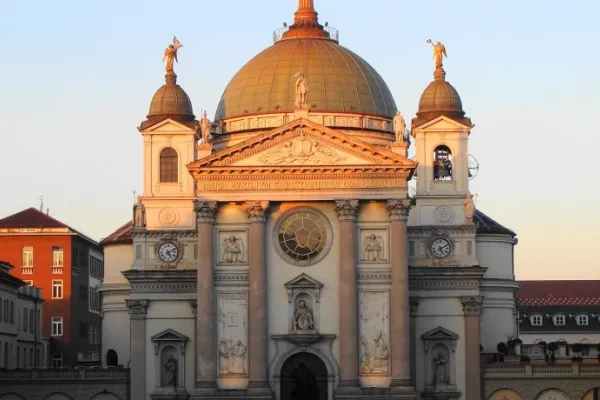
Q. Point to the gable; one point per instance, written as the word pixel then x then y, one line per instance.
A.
pixel 439 333
pixel 168 126
pixel 304 281
pixel 443 123
pixel 169 335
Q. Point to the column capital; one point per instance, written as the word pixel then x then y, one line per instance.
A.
pixel 472 305
pixel 257 210
pixel 347 209
pixel 194 306
pixel 137 308
pixel 206 211
pixel 399 209
pixel 414 302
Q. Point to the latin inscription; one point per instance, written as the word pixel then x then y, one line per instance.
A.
pixel 303 185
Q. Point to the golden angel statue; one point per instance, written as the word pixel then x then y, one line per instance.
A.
pixel 171 54
pixel 439 52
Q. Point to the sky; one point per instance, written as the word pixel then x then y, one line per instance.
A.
pixel 78 77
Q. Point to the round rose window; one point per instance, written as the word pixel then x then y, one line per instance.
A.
pixel 303 237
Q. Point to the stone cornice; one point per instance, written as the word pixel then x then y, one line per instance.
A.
pixel 260 173
pixel 446 278
pixel 231 278
pixel 114 289
pixel 153 281
pixel 369 276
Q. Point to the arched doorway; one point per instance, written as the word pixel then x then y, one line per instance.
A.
pixel 304 377
pixel 112 359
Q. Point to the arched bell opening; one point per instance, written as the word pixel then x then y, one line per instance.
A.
pixel 442 163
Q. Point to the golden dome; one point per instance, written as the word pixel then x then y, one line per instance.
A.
pixel 339 80
pixel 440 98
pixel 170 100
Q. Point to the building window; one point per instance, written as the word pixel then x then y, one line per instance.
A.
pixel 57 289
pixel 12 313
pixel 582 320
pixel 168 165
pixel 536 320
pixel 96 267
pixel 57 257
pixel 93 334
pixel 27 257
pixel 57 326
pixel 25 315
pixel 57 361
pixel 94 300
pixel 83 292
pixel 28 283
pixel 559 320
pixel 31 321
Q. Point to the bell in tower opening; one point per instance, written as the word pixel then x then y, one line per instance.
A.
pixel 442 164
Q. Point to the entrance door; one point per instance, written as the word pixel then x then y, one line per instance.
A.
pixel 304 377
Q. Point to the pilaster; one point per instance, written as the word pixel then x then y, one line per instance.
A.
pixel 349 363
pixel 413 303
pixel 206 343
pixel 137 312
pixel 258 322
pixel 472 311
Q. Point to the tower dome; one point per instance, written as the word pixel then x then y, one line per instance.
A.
pixel 339 80
pixel 171 101
pixel 440 98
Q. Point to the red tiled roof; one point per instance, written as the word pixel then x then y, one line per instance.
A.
pixel 30 218
pixel 120 236
pixel 559 293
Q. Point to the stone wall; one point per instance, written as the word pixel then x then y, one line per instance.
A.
pixel 65 384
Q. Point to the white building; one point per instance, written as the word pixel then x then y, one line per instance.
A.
pixel 21 341
pixel 282 256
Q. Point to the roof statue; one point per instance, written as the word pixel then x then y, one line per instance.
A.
pixel 301 90
pixel 170 55
pixel 399 126
pixel 439 52
pixel 204 125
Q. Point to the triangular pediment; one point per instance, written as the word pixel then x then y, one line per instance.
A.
pixel 302 143
pixel 303 281
pixel 169 335
pixel 443 123
pixel 168 126
pixel 439 333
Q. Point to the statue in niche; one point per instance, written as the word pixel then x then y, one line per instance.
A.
pixel 237 358
pixel 170 55
pixel 305 387
pixel 399 127
pixel 373 248
pixel 469 209
pixel 440 369
pixel 301 90
pixel 205 127
pixel 139 214
pixel 303 318
pixel 233 250
pixel 171 370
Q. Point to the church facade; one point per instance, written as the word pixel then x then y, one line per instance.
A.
pixel 277 254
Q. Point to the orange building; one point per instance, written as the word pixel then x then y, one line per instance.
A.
pixel 68 266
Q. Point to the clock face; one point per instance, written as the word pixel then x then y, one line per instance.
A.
pixel 440 248
pixel 168 252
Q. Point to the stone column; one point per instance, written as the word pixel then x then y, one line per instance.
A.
pixel 258 322
pixel 348 307
pixel 137 313
pixel 414 306
pixel 206 342
pixel 400 333
pixel 472 309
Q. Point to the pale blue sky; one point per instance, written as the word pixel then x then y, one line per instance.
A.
pixel 78 76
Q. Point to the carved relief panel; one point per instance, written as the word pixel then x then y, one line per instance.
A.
pixel 232 247
pixel 233 334
pixel 374 329
pixel 373 246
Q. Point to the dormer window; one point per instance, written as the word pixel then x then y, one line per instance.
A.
pixel 582 320
pixel 536 320
pixel 559 320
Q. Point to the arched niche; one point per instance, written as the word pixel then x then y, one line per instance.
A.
pixel 106 396
pixel 112 358
pixel 506 394
pixel 552 394
pixel 442 163
pixel 440 364
pixel 58 396
pixel 303 288
pixel 169 362
pixel 11 396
